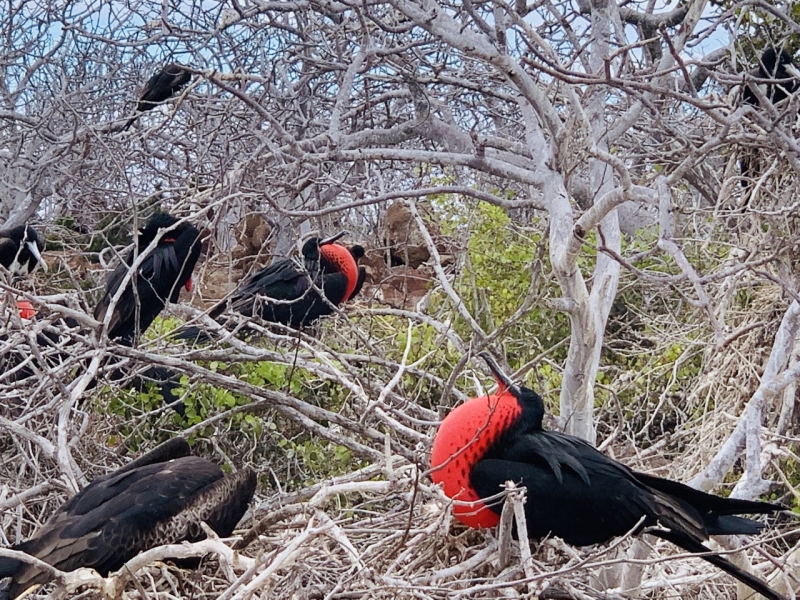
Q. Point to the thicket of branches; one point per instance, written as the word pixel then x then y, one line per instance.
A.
pixel 571 169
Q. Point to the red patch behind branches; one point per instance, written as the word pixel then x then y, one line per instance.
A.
pixel 26 310
pixel 461 442
pixel 345 264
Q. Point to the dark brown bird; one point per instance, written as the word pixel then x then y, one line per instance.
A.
pixel 158 499
pixel 160 87
pixel 573 491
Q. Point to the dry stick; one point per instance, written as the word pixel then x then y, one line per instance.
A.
pixel 324 491
pixel 517 497
pixel 119 580
pixel 284 558
pixel 666 243
pixel 774 379
pixel 504 537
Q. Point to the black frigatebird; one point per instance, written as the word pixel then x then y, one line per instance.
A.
pixel 160 87
pixel 573 491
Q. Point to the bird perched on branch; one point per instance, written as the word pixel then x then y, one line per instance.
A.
pixel 158 279
pixel 778 66
pixel 160 87
pixel 573 491
pixel 287 293
pixel 160 498
pixel 21 249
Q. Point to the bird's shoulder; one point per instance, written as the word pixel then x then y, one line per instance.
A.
pixel 142 495
pixel 559 451
pixel 284 271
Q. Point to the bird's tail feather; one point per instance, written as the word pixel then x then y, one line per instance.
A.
pixel 758 585
pixel 731 525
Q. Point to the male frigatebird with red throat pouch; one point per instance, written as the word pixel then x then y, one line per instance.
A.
pixel 573 491
pixel 288 293
pixel 159 278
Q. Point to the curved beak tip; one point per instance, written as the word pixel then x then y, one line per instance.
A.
pixel 793 71
pixel 34 249
pixel 503 381
pixel 333 238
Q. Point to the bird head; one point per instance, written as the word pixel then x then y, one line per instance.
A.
pixel 325 255
pixel 777 65
pixel 159 220
pixel 357 250
pixel 529 400
pixel 28 247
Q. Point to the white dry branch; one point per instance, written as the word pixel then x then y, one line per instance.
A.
pixel 660 278
pixel 775 378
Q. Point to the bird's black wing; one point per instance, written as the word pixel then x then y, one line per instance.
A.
pixel 85 501
pixel 162 85
pixel 123 311
pixel 717 512
pixel 281 281
pixel 720 562
pixel 160 277
pixel 578 493
pixel 120 517
pixel 123 322
pixel 8 251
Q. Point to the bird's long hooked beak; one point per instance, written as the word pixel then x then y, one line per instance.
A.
pixel 503 381
pixel 333 238
pixel 793 71
pixel 37 255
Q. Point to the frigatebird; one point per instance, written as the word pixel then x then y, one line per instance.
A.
pixel 160 87
pixel 159 278
pixel 21 249
pixel 573 491
pixel 160 498
pixel 776 65
pixel 288 293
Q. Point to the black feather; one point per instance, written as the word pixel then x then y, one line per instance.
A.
pixel 159 278
pixel 155 500
pixel 160 87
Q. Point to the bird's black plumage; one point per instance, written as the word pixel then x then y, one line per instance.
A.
pixel 159 278
pixel 160 87
pixel 286 293
pixel 574 491
pixel 776 65
pixel 357 252
pixel 160 498
pixel 20 249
